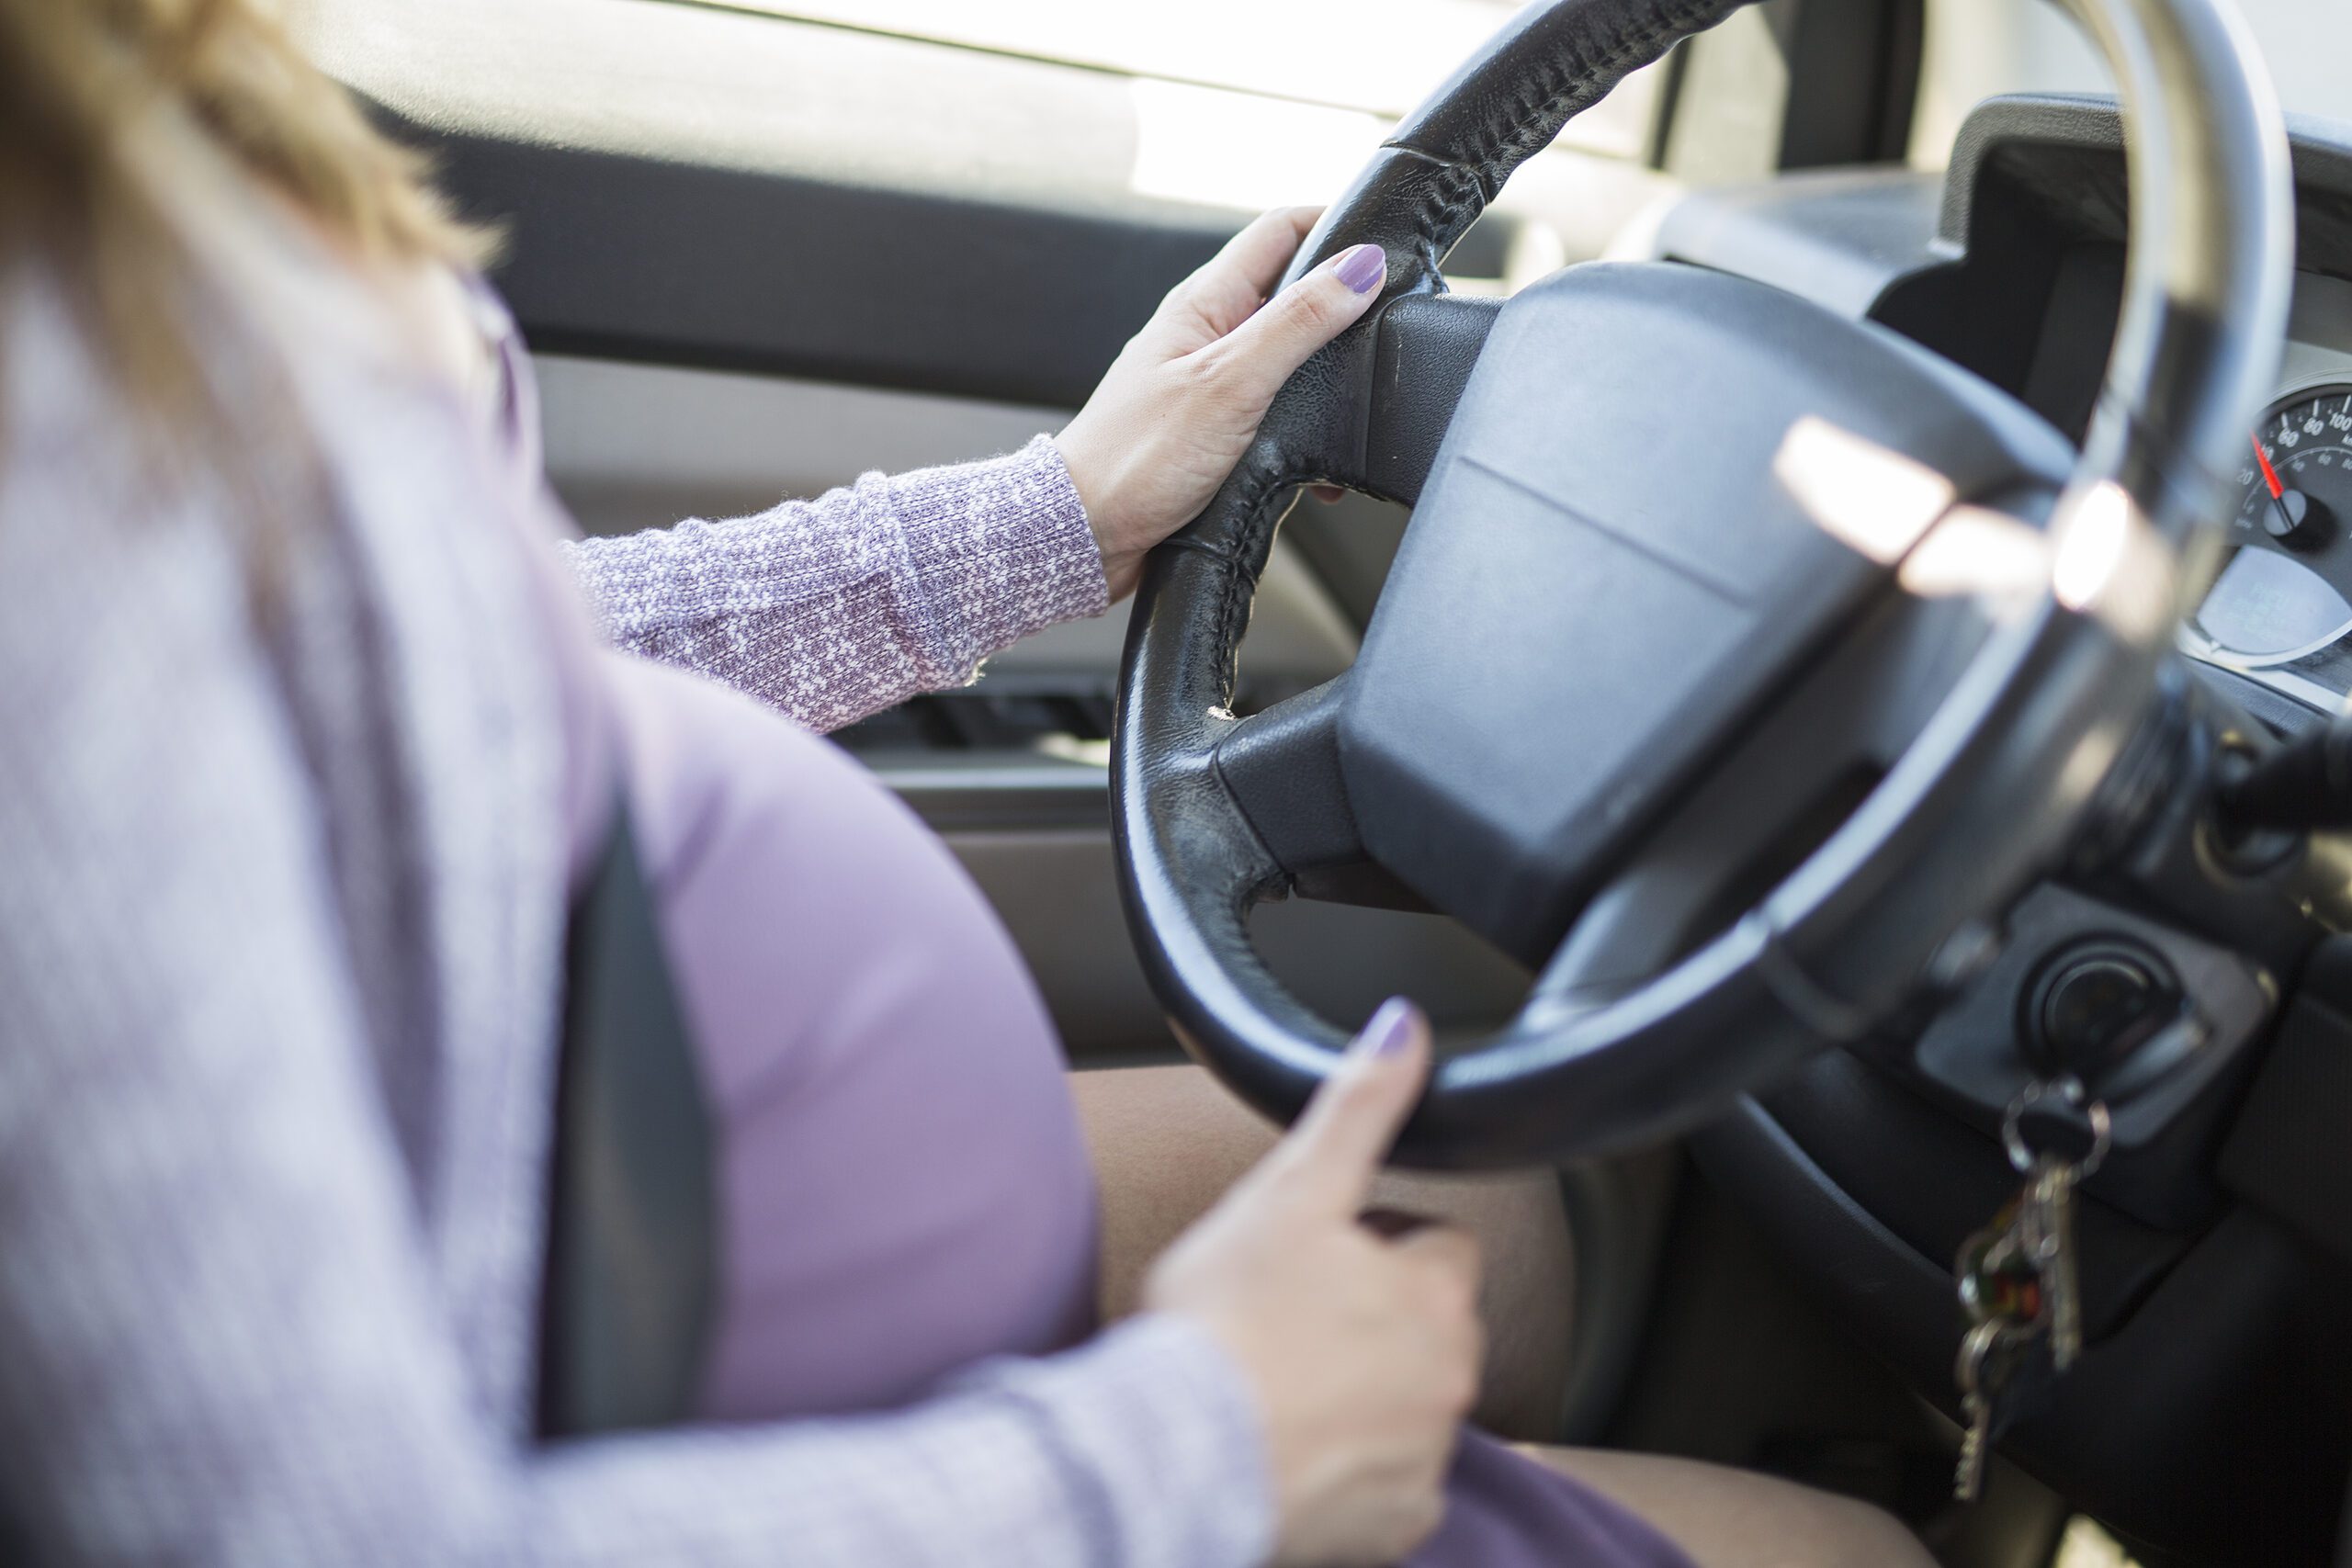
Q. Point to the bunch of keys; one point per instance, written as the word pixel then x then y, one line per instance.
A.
pixel 2017 1276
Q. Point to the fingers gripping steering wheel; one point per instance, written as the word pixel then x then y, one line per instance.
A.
pixel 1603 692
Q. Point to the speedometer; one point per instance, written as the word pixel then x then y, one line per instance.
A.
pixel 2284 587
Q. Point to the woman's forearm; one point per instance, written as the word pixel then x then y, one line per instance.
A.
pixel 833 608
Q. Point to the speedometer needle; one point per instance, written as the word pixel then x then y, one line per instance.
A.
pixel 2288 516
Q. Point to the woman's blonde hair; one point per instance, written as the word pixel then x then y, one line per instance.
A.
pixel 79 79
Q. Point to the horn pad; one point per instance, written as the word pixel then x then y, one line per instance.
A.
pixel 1604 579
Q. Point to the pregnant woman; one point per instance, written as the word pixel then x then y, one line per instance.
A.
pixel 309 740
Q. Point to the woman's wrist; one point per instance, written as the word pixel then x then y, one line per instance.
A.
pixel 1093 479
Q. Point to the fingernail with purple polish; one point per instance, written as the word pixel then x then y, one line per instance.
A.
pixel 1362 268
pixel 1390 1028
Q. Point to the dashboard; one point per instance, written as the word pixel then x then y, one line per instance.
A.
pixel 2276 602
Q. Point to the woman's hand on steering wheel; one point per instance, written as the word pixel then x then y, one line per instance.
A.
pixel 1364 1347
pixel 1184 400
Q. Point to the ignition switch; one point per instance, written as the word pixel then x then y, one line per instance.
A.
pixel 2094 1005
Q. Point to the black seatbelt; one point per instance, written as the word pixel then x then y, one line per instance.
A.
pixel 631 1266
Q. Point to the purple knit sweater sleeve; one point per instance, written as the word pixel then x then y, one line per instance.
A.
pixel 833 608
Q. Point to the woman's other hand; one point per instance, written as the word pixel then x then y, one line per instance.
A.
pixel 1184 398
pixel 1363 1350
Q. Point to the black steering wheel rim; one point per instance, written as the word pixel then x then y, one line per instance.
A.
pixel 1988 794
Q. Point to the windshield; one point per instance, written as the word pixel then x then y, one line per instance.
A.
pixel 2309 46
pixel 1975 49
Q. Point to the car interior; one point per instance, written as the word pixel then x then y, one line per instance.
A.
pixel 758 247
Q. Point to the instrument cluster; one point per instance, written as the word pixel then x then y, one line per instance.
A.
pixel 2278 608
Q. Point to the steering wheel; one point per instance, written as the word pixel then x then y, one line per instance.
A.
pixel 1661 694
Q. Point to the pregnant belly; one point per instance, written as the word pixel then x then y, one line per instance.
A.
pixel 903 1188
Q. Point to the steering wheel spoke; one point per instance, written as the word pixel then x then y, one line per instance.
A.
pixel 1282 769
pixel 1424 348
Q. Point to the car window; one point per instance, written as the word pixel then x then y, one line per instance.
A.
pixel 1378 57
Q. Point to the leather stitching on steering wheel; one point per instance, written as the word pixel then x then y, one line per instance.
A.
pixel 1509 142
pixel 1256 524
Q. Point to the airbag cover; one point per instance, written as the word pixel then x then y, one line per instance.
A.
pixel 1603 578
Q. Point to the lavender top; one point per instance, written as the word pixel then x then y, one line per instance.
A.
pixel 284 813
pixel 834 609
